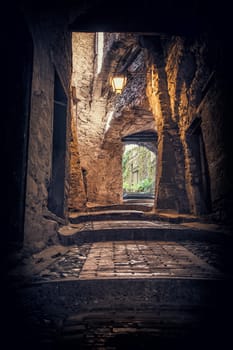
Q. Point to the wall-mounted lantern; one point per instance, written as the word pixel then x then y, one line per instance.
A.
pixel 118 83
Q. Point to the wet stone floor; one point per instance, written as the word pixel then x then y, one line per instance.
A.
pixel 143 259
pixel 124 330
pixel 164 327
pixel 136 259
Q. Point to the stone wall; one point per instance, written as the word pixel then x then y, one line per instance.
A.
pixel 170 190
pixel 181 97
pixel 82 76
pixel 77 192
pixel 88 115
pixel 52 52
pixel 101 119
pixel 216 113
pixel 191 106
pixel 201 102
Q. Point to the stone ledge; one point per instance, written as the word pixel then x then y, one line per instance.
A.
pixel 133 233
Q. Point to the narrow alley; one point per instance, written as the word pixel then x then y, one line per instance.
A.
pixel 118 215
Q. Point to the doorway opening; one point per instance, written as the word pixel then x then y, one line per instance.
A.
pixel 56 189
pixel 139 165
pixel 201 201
pixel 138 172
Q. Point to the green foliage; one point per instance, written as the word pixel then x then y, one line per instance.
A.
pixel 126 187
pixel 125 160
pixel 141 158
pixel 146 185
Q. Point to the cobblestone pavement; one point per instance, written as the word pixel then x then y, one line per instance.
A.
pixel 144 259
pixel 128 259
pixel 131 259
pixel 218 255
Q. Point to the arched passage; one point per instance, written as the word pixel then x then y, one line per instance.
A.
pixel 139 165
pixel 171 129
pixel 162 94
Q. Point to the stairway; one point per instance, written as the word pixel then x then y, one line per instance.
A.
pixel 132 284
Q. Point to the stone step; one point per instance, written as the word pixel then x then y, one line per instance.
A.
pixel 164 327
pixel 106 215
pixel 121 214
pixel 127 205
pixel 64 297
pixel 77 314
pixel 127 230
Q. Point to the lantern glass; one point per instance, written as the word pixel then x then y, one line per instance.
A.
pixel 118 83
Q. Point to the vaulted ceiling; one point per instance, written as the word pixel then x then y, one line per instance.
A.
pixel 178 17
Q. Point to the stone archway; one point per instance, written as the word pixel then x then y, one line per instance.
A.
pixel 139 165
